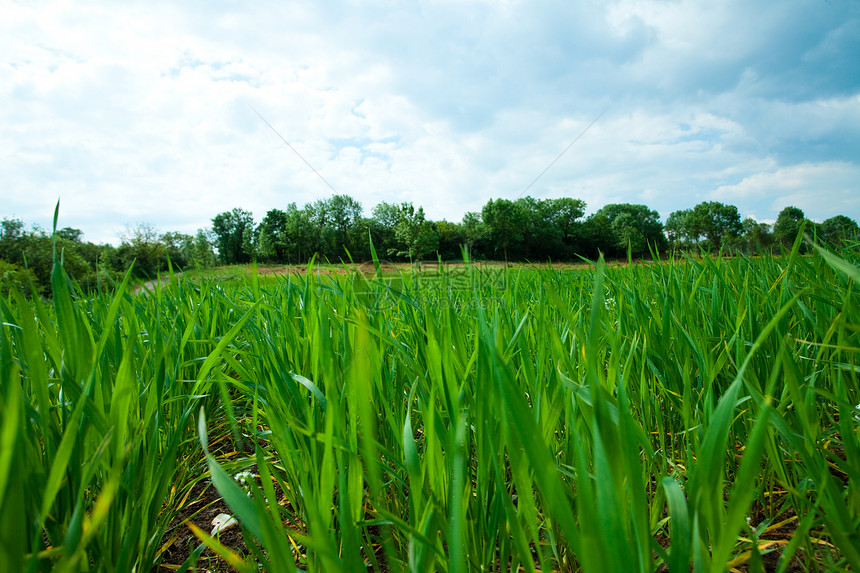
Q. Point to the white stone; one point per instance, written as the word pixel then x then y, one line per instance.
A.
pixel 223 522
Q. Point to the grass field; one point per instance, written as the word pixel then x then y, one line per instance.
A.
pixel 694 415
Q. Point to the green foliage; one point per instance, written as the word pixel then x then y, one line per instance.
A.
pixel 531 229
pixel 177 246
pixel 839 230
pixel 233 232
pixel 70 234
pixel 199 254
pixel 452 239
pixel 475 233
pixel 677 228
pixel 714 225
pixel 141 246
pixel 334 229
pixel 289 236
pixel 337 222
pixel 634 227
pixel 505 221
pixel 787 225
pixel 147 251
pixel 273 242
pixel 715 221
pixel 405 233
pixel 11 234
pixel 757 237
pixel 28 256
pixel 383 221
pixel 616 419
pixel 15 277
pixel 565 215
pixel 414 236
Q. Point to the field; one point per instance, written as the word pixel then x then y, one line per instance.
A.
pixel 699 414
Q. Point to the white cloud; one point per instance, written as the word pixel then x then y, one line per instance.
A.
pixel 145 111
pixel 820 190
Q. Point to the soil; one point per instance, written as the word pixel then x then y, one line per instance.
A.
pixel 206 505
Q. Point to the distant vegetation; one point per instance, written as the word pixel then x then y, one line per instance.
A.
pixel 335 229
pixel 26 255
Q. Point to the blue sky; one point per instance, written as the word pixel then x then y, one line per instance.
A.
pixel 136 113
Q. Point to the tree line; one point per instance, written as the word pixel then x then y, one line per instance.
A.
pixel 26 255
pixel 335 229
pixel 525 229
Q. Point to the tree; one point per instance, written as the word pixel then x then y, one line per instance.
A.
pixel 631 226
pixel 677 229
pixel 714 221
pixel 303 236
pixel 250 241
pixel 787 225
pixel 70 234
pixel 177 246
pixel 11 234
pixel 336 222
pixel 94 254
pixel 141 245
pixel 838 229
pixel 37 249
pixel 11 229
pixel 231 237
pixel 15 277
pixel 541 235
pixel 505 221
pixel 273 240
pixel 757 236
pixel 414 235
pixel 200 254
pixel 474 231
pixel 452 238
pixel 597 236
pixel 627 232
pixel 565 214
pixel 383 220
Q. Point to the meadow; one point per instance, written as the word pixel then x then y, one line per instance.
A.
pixel 689 415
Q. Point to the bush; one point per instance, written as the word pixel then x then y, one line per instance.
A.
pixel 17 277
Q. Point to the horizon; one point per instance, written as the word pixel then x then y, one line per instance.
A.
pixel 366 214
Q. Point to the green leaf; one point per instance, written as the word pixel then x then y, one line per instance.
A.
pixel 233 495
pixel 679 527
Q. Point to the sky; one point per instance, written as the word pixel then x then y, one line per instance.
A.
pixel 152 113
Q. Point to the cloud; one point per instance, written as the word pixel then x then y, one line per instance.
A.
pixel 146 111
pixel 820 190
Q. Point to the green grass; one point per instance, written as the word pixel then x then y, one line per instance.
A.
pixel 699 413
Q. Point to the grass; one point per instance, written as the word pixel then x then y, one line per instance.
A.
pixel 696 414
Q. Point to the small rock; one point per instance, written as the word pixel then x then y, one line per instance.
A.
pixel 223 522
